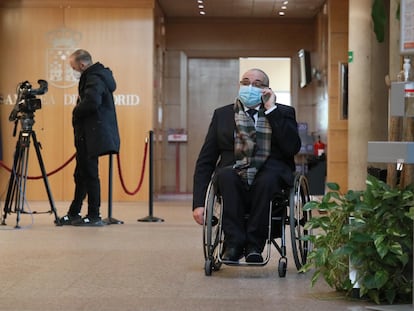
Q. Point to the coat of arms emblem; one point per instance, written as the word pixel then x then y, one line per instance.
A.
pixel 63 42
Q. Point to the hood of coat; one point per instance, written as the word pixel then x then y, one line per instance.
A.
pixel 104 73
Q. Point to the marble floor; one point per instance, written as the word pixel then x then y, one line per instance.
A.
pixel 140 266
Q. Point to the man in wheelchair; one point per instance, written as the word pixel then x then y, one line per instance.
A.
pixel 250 147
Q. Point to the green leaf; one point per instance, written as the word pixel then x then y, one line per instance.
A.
pixel 382 250
pixel 335 196
pixel 360 237
pixel 396 248
pixel 396 232
pixel 381 247
pixel 321 256
pixel 346 250
pixel 381 277
pixel 403 259
pixel 390 195
pixel 374 295
pixel 379 238
pixel 353 195
pixel 315 277
pixel 376 281
pixel 407 195
pixel 311 205
pixel 332 186
pixel 390 295
pixel 305 268
pixel 410 214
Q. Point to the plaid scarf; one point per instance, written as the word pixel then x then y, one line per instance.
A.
pixel 251 144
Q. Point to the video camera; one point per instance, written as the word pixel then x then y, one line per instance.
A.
pixel 26 101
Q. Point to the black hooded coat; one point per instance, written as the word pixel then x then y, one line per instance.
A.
pixel 94 117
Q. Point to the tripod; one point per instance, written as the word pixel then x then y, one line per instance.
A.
pixel 16 192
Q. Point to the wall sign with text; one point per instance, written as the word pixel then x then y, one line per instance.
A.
pixel 407 27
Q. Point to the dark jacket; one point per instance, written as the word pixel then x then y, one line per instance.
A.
pixel 94 116
pixel 219 145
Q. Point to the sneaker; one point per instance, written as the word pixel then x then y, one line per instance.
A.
pixel 89 222
pixel 67 220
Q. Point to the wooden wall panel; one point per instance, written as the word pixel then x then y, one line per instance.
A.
pixel 25 59
pixel 333 87
pixel 338 41
pixel 338 151
pixel 77 3
pixel 338 15
pixel 228 38
pixel 341 174
pixel 120 38
pixel 337 160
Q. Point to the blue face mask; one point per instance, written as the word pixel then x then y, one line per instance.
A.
pixel 76 74
pixel 250 96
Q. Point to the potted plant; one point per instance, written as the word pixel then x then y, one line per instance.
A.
pixel 371 230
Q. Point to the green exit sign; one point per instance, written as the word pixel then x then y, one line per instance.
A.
pixel 350 56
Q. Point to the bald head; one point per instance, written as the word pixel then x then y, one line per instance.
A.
pixel 256 75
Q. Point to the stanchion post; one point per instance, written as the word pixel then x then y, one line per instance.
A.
pixel 110 220
pixel 150 217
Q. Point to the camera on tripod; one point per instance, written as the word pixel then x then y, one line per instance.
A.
pixel 26 101
pixel 23 111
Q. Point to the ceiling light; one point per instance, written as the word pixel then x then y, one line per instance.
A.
pixel 284 7
pixel 284 2
pixel 201 7
pixel 281 13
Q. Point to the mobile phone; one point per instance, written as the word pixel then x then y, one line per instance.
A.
pixel 265 98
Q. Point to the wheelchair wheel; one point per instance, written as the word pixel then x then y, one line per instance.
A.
pixel 282 267
pixel 299 196
pixel 211 231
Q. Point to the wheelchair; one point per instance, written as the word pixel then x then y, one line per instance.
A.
pixel 285 209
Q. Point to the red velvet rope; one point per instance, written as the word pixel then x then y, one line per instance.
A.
pixel 4 166
pixel 142 172
pixel 48 174
pixel 119 171
pixel 56 170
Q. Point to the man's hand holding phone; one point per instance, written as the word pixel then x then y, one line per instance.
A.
pixel 268 98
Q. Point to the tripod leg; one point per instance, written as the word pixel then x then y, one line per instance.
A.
pixel 45 180
pixel 15 174
pixel 21 176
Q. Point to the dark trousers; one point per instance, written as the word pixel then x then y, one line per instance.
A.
pixel 240 199
pixel 87 182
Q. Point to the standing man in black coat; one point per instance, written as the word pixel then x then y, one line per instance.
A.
pixel 250 145
pixel 96 133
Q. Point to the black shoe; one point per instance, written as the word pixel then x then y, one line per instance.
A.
pixel 253 255
pixel 89 222
pixel 67 220
pixel 232 254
